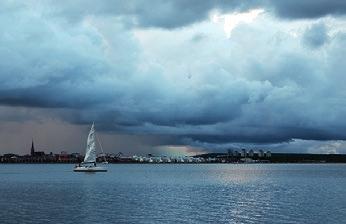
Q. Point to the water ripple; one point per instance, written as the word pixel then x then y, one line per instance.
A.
pixel 213 193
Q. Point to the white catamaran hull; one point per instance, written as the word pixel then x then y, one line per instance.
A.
pixel 90 169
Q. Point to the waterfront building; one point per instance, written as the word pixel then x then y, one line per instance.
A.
pixel 188 159
pixel 135 158
pixel 201 160
pixel 211 160
pixel 158 159
pixel 247 160
pixel 251 153
pixel 34 153
pixel 76 155
pixel 268 154
pixel 64 157
pixel 260 153
pixel 235 153
pixel 166 159
pixel 180 160
pixel 243 153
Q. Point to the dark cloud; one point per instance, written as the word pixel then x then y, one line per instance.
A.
pixel 52 96
pixel 316 35
pixel 296 9
pixel 198 37
pixel 178 13
pixel 157 82
pixel 156 13
pixel 174 13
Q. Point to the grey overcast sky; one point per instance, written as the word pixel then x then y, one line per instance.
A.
pixel 173 76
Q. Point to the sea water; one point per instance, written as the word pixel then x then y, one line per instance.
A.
pixel 174 193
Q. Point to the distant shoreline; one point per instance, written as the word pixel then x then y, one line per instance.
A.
pixel 136 163
pixel 208 158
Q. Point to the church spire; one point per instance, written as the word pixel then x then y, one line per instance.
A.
pixel 32 148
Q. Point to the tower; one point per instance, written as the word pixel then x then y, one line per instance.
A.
pixel 32 152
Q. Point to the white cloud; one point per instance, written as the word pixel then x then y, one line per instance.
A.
pixel 231 21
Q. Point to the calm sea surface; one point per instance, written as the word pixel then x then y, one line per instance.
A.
pixel 149 193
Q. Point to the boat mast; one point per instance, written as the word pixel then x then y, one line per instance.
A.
pixel 104 157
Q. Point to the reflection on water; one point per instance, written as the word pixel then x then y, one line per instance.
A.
pixel 167 193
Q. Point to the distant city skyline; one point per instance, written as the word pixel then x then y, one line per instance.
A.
pixel 173 76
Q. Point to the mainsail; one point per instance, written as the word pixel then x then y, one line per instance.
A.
pixel 90 153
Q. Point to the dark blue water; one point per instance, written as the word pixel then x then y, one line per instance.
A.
pixel 202 193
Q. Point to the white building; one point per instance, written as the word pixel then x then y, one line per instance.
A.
pixel 268 154
pixel 260 153
pixel 251 153
pixel 243 153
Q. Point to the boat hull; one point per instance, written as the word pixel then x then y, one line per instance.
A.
pixel 90 169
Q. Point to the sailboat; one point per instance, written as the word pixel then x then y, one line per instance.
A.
pixel 89 163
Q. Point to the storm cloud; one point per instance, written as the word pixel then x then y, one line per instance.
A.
pixel 178 13
pixel 166 69
pixel 316 35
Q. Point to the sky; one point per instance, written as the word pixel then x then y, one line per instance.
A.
pixel 173 76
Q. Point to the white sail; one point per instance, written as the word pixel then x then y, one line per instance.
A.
pixel 90 153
